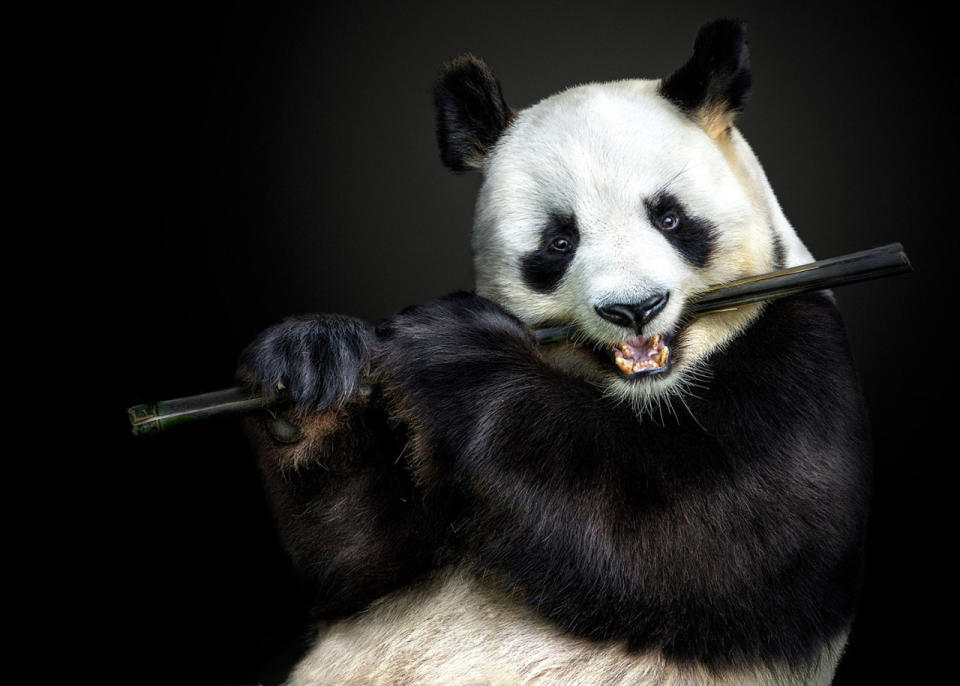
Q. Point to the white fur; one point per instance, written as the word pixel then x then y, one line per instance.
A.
pixel 453 629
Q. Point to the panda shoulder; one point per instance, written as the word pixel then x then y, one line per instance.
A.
pixel 794 367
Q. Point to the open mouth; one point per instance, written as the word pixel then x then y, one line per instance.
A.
pixel 643 355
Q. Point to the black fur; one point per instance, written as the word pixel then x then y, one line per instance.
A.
pixel 319 359
pixel 471 112
pixel 350 517
pixel 694 238
pixel 543 268
pixel 779 252
pixel 717 75
pixel 731 539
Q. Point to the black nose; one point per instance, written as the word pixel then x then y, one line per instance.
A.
pixel 634 315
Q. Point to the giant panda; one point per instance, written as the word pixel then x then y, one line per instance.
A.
pixel 661 499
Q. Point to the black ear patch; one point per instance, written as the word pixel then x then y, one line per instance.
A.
pixel 471 112
pixel 715 82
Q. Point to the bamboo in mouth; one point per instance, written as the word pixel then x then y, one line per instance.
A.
pixel 886 260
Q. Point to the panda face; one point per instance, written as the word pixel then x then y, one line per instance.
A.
pixel 613 206
pixel 606 207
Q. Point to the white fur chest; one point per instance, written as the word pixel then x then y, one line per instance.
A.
pixel 453 629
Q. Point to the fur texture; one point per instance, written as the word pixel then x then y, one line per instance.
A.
pixel 348 512
pixel 453 629
pixel 471 112
pixel 715 83
pixel 731 535
pixel 318 361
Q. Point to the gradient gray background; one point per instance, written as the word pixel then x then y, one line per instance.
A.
pixel 276 161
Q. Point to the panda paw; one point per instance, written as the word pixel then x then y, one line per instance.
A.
pixel 454 341
pixel 317 361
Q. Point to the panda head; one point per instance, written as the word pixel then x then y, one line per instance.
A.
pixel 611 206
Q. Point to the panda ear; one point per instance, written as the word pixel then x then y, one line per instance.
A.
pixel 471 112
pixel 713 85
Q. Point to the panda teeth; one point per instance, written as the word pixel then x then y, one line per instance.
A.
pixel 641 355
pixel 663 356
pixel 646 364
pixel 625 365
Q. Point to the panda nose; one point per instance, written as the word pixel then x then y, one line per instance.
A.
pixel 634 315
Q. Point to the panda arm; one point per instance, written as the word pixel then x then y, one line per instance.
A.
pixel 344 504
pixel 737 538
pixel 345 507
pixel 534 457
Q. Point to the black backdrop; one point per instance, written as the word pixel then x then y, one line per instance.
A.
pixel 268 161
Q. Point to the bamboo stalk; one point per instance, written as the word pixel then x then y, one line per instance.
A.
pixel 887 260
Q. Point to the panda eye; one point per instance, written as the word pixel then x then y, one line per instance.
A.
pixel 669 221
pixel 560 244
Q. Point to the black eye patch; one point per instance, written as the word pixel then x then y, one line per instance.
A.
pixel 543 267
pixel 691 236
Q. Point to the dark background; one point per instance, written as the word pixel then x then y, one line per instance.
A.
pixel 266 161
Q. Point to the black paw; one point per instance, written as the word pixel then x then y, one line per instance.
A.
pixel 317 361
pixel 457 338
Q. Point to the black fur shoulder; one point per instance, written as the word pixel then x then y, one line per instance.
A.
pixel 731 538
